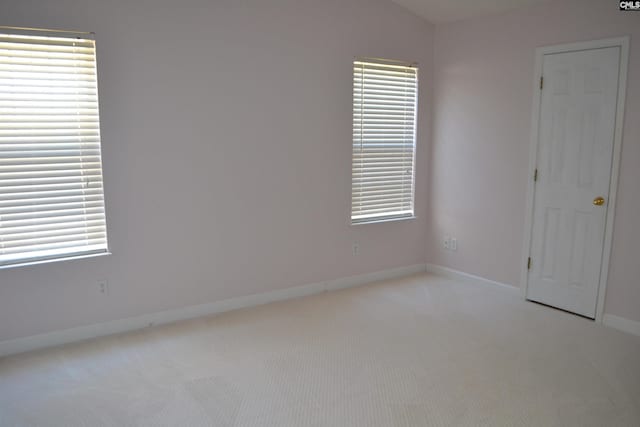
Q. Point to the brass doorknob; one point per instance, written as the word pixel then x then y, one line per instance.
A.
pixel 598 201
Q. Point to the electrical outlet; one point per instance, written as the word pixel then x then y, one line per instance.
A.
pixel 453 245
pixel 446 242
pixel 103 287
pixel 355 249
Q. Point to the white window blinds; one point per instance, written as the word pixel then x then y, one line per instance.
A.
pixel 384 128
pixel 51 194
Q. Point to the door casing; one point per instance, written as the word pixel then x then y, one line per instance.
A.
pixel 623 43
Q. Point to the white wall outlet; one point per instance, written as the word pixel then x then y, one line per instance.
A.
pixel 103 287
pixel 453 244
pixel 446 242
pixel 355 249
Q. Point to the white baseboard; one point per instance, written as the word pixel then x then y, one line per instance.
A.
pixel 459 275
pixel 50 339
pixel 622 324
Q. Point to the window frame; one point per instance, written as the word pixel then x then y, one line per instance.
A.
pixel 385 216
pixel 101 248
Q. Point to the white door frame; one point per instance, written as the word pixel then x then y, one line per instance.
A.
pixel 623 43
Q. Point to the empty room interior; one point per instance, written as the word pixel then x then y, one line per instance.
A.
pixel 319 213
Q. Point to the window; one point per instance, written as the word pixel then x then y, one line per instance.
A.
pixel 385 98
pixel 51 194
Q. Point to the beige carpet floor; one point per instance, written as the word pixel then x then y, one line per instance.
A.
pixel 419 351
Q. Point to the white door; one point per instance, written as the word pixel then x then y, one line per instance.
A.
pixel 574 161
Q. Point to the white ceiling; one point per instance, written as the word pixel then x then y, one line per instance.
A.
pixel 440 11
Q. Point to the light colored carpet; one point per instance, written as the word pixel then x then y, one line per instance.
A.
pixel 420 351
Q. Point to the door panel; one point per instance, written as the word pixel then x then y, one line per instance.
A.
pixel 575 147
pixel 550 243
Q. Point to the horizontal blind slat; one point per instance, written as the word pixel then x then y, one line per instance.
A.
pixel 26 201
pixel 392 189
pixel 31 193
pixel 82 205
pixel 57 245
pixel 59 226
pixel 384 199
pixel 44 168
pixel 44 162
pixel 55 233
pixel 53 220
pixel 373 217
pixel 18 53
pixel 30 242
pixel 50 214
pixel 56 253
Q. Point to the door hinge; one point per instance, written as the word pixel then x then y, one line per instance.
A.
pixel 535 175
pixel 541 82
pixel 529 264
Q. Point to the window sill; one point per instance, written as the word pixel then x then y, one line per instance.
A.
pixel 381 220
pixel 50 260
